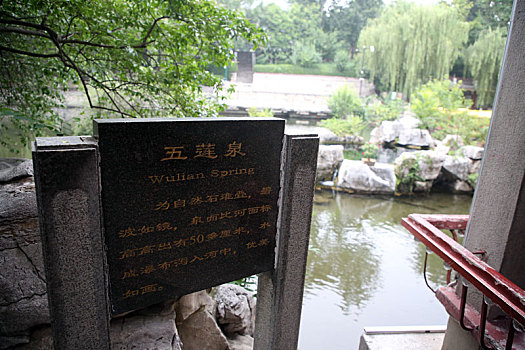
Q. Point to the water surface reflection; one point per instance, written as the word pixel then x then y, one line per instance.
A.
pixel 364 268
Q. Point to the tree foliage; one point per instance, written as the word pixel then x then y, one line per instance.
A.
pixel 346 19
pixel 301 23
pixel 441 106
pixel 131 58
pixel 345 102
pixel 305 55
pixel 437 100
pixel 329 27
pixel 484 61
pixel 277 25
pixel 489 13
pixel 413 43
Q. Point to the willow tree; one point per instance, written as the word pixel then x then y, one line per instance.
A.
pixel 413 44
pixel 484 62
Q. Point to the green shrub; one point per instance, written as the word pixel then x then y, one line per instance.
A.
pixel 441 107
pixel 370 150
pixel 345 102
pixel 254 112
pixel 407 173
pixel 472 180
pixel 305 54
pixel 83 125
pixel 353 154
pixel 386 109
pixel 341 60
pixel 352 126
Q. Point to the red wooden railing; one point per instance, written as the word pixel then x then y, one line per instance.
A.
pixel 494 286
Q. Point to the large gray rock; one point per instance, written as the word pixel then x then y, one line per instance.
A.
pixel 23 296
pixel 415 137
pixel 145 332
pixel 151 328
pixel 461 187
pixel 385 172
pixel 328 159
pixel 191 303
pixel 41 339
pixel 409 121
pixel 200 331
pixel 428 162
pixel 455 142
pixel 403 131
pixel 475 165
pixel 241 342
pixel 235 309
pixel 356 176
pixel 457 167
pixel 386 132
pixel 23 299
pixel 440 147
pixel 422 186
pixel 15 168
pixel 472 152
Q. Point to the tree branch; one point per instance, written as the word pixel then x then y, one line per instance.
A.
pixel 23 31
pixel 113 110
pixel 157 20
pixel 22 23
pixel 28 53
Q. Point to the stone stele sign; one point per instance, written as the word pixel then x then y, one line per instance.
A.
pixel 187 203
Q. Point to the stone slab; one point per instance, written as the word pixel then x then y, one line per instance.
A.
pixel 410 337
pixel 188 203
pixel 412 341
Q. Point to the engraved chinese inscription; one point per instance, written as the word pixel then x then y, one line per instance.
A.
pixel 187 204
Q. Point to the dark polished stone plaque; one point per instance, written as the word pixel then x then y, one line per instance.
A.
pixel 187 203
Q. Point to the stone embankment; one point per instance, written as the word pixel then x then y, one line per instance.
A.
pixel 220 320
pixel 424 164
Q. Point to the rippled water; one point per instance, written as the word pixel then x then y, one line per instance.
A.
pixel 365 269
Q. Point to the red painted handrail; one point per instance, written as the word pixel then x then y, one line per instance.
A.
pixel 508 296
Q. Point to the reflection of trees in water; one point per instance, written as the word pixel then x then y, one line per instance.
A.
pixel 436 204
pixel 436 273
pixel 341 256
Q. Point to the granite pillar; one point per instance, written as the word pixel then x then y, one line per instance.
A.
pixel 67 186
pixel 280 292
pixel 497 217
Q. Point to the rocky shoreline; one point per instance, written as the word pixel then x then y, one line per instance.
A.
pixel 422 164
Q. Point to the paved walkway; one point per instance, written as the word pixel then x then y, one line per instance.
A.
pixel 308 93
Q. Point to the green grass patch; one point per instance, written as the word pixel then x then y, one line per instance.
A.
pixel 353 154
pixel 317 69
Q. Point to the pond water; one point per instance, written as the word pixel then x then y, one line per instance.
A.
pixel 365 269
